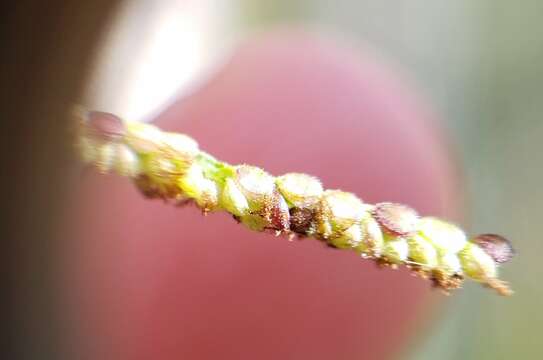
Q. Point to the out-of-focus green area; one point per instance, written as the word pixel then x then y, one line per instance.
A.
pixel 480 63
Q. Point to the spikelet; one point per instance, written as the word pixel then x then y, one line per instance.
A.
pixel 171 167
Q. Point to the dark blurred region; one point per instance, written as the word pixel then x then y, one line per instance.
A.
pixel 46 47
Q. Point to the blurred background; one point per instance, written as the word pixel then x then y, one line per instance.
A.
pixel 477 65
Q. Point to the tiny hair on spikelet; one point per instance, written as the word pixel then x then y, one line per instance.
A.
pixel 170 166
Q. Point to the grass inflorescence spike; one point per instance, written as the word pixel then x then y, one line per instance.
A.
pixel 171 167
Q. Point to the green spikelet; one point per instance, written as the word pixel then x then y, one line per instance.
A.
pixel 170 166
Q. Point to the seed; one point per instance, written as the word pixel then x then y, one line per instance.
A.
pixel 195 185
pixel 301 220
pixel 446 237
pixel 144 138
pixel 476 263
pixel 232 199
pixel 300 190
pixel 256 185
pixel 126 161
pixel 209 198
pixel 338 210
pixel 279 214
pixel 105 126
pixel 372 237
pixel 180 143
pixel 349 239
pixel 422 251
pixel 396 251
pixel 449 264
pixel 397 219
pixel 105 158
pixel 254 222
pixel 498 247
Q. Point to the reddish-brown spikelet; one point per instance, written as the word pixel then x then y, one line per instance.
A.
pixel 105 126
pixel 397 219
pixel 498 247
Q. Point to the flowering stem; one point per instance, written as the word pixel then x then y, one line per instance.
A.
pixel 171 167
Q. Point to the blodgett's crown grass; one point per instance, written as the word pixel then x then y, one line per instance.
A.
pixel 171 167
